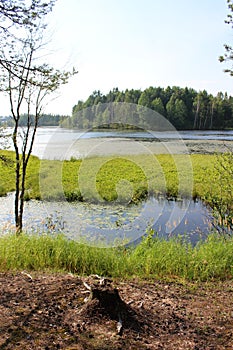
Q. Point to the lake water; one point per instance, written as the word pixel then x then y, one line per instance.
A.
pixel 58 143
pixel 111 223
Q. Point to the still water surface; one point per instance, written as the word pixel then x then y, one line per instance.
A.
pixel 111 223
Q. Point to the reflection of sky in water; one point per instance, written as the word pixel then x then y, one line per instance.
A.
pixel 112 222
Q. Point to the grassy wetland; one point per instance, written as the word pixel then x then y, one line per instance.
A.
pixel 211 181
pixel 208 177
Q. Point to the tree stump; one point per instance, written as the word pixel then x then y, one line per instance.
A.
pixel 107 299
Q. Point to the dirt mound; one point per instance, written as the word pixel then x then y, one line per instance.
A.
pixel 59 312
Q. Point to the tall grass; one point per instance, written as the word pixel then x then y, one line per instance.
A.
pixel 153 258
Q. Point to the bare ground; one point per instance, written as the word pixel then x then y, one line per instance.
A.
pixel 49 312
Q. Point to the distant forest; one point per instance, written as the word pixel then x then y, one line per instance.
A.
pixel 44 120
pixel 185 108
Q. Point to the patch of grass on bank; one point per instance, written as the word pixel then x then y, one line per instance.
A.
pixel 153 258
pixel 111 178
pixel 134 177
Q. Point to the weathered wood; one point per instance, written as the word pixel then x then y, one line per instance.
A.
pixel 109 300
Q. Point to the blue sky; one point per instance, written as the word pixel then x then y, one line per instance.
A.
pixel 137 44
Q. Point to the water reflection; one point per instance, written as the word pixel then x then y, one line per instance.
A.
pixel 111 223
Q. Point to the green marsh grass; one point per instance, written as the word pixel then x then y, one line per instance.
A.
pixel 54 180
pixel 152 258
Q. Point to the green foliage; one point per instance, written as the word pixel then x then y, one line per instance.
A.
pixel 112 173
pixel 153 258
pixel 185 108
pixel 18 14
pixel 158 106
pixel 122 179
pixel 220 194
pixel 228 56
pixel 138 176
pixel 44 120
pixel 176 111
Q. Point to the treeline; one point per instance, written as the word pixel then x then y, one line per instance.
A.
pixel 184 108
pixel 44 120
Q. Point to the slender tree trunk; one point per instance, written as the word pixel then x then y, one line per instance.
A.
pixel 17 179
pixel 17 194
pixel 25 158
pixel 21 199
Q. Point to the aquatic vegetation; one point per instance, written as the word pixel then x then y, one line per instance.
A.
pixel 129 179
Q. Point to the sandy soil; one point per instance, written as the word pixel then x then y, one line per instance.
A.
pixel 49 312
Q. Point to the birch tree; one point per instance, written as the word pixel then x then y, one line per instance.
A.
pixel 26 80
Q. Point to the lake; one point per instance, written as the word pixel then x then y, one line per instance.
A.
pixel 111 223
pixel 58 143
